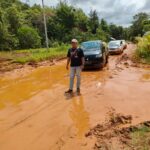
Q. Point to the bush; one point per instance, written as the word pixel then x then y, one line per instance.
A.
pixel 36 55
pixel 143 48
pixel 28 38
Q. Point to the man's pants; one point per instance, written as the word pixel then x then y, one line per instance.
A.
pixel 75 71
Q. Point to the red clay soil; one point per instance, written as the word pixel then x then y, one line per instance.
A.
pixel 35 114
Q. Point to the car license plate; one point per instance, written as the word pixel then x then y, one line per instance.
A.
pixel 88 62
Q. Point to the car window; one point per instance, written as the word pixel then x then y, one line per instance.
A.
pixel 86 46
pixel 113 44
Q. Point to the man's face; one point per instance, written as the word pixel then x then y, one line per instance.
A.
pixel 74 45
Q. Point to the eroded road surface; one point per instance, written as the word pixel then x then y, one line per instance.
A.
pixel 36 115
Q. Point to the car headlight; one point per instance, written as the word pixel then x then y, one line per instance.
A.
pixel 99 55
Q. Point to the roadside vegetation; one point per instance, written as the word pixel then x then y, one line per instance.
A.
pixel 140 138
pixel 143 49
pixel 34 55
pixel 21 27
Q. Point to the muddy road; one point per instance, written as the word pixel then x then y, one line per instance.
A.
pixel 36 115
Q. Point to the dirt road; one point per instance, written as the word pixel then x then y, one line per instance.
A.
pixel 36 115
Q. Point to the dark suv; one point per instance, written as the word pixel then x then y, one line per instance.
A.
pixel 96 54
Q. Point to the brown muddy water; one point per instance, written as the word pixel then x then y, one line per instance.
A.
pixel 146 76
pixel 36 114
pixel 14 91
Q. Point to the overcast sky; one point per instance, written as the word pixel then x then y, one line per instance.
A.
pixel 114 11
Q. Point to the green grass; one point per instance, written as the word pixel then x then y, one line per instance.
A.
pixel 141 138
pixel 34 55
pixel 143 49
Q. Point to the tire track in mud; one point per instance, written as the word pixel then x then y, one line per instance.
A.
pixel 51 105
pixel 94 94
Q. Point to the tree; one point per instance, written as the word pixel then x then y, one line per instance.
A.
pixel 116 32
pixel 21 25
pixel 28 37
pixel 146 25
pixel 56 31
pixel 14 18
pixel 81 20
pixel 138 24
pixel 102 35
pixel 7 40
pixel 8 3
pixel 65 15
pixel 93 22
pixel 126 33
pixel 61 22
pixel 104 26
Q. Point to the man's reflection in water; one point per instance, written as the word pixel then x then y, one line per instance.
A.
pixel 79 116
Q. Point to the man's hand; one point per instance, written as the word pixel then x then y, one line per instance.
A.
pixel 68 62
pixel 67 67
pixel 82 67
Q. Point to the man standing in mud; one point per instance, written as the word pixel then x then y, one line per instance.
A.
pixel 75 57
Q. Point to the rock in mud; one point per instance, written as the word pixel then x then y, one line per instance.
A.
pixel 33 64
pixel 134 65
pixel 110 77
pixel 111 131
pixel 147 123
pixel 123 135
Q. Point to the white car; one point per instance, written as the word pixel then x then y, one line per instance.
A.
pixel 115 47
pixel 124 44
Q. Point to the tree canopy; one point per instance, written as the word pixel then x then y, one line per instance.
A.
pixel 21 25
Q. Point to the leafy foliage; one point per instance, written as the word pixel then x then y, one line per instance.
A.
pixel 28 37
pixel 21 25
pixel 143 49
pixel 137 28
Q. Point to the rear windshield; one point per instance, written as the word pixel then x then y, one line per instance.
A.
pixel 86 46
pixel 112 44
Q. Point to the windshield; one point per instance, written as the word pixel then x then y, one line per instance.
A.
pixel 114 44
pixel 90 46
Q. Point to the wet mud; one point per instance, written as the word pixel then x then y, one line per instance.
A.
pixel 116 133
pixel 36 114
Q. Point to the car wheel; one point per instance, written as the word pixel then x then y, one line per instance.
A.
pixel 101 66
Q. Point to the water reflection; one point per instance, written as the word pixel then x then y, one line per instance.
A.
pixel 14 91
pixel 146 76
pixel 79 116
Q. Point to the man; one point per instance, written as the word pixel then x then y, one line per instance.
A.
pixel 75 57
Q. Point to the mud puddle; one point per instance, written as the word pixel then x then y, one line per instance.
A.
pixel 79 116
pixel 35 114
pixel 35 105
pixel 14 91
pixel 146 76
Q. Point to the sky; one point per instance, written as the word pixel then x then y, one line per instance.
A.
pixel 119 12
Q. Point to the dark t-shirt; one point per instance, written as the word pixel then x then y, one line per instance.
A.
pixel 76 56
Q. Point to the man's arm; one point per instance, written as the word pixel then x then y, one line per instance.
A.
pixel 82 59
pixel 68 62
pixel 68 59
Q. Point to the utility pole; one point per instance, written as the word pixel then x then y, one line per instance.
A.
pixel 45 25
